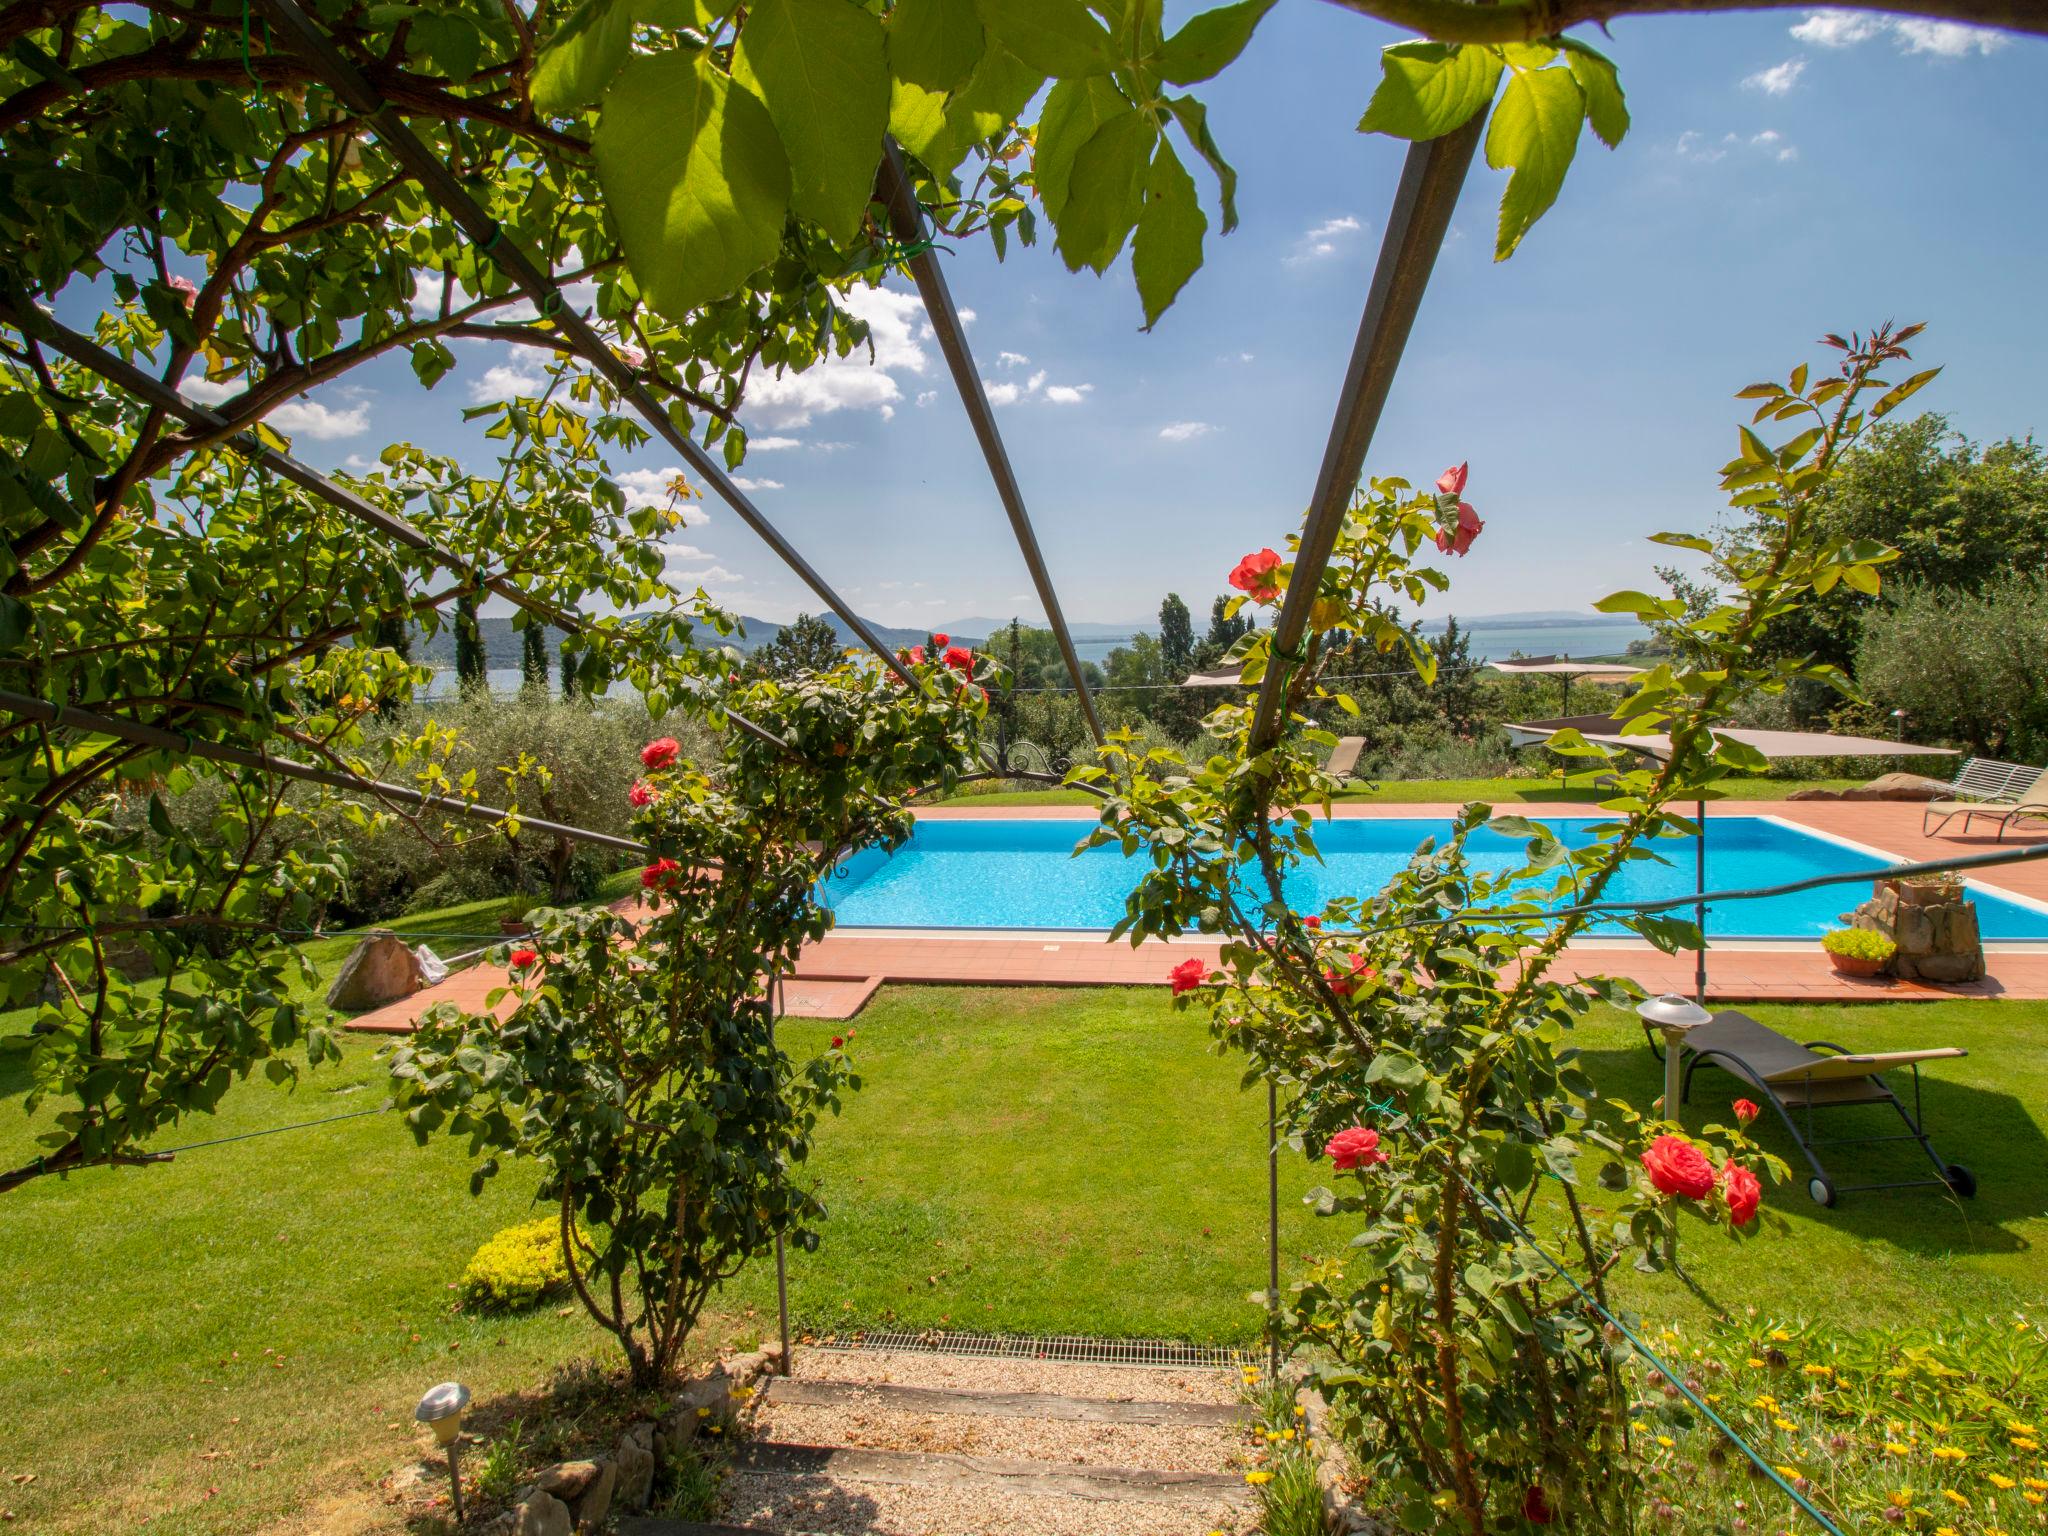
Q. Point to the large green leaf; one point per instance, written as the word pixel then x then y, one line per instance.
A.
pixel 934 43
pixel 1073 110
pixel 916 116
pixel 1054 37
pixel 583 55
pixel 1106 190
pixel 1167 249
pixel 1000 88
pixel 694 176
pixel 1193 118
pixel 1535 131
pixel 1606 108
pixel 821 68
pixel 1210 41
pixel 1427 89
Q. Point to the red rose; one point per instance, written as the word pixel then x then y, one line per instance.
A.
pixel 942 641
pixel 838 1041
pixel 1452 481
pixel 640 793
pixel 1536 1507
pixel 1311 921
pixel 1742 1192
pixel 660 875
pixel 1677 1167
pixel 1745 1111
pixel 1343 984
pixel 916 655
pixel 1187 976
pixel 659 754
pixel 1456 541
pixel 959 658
pixel 522 958
pixel 1258 575
pixel 1355 1148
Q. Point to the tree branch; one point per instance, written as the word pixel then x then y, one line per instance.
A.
pixel 1517 21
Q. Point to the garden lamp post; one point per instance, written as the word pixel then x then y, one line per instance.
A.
pixel 1674 1017
pixel 441 1411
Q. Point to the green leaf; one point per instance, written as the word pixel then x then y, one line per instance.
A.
pixel 1074 109
pixel 821 68
pixel 1427 89
pixel 451 41
pixel 1054 37
pixel 1106 191
pixel 1640 603
pixel 934 43
pixel 916 116
pixel 1167 249
pixel 1210 41
pixel 1606 107
pixel 15 622
pixel 1000 88
pixel 582 56
pixel 1193 118
pixel 1898 394
pixel 1862 578
pixel 696 178
pixel 1535 130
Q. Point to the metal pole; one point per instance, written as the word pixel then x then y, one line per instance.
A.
pixel 781 1254
pixel 1699 973
pixel 455 1478
pixel 906 220
pixel 1273 1225
pixel 1423 204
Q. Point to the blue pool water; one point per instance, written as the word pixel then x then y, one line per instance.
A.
pixel 1011 873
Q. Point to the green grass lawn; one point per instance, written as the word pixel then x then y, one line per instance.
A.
pixel 1578 788
pixel 254 1317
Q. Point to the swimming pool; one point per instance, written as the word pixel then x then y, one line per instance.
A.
pixel 1005 872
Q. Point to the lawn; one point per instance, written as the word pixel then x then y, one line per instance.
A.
pixel 1579 788
pixel 225 1343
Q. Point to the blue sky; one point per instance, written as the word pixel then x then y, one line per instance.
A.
pixel 1787 174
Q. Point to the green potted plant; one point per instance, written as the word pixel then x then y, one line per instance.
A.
pixel 1858 951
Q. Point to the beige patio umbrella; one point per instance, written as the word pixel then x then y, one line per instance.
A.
pixel 1564 669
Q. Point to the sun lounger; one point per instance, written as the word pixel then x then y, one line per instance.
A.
pixel 1344 756
pixel 2001 792
pixel 1821 1075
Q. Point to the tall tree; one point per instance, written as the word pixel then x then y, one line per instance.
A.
pixel 1224 629
pixel 805 646
pixel 1456 689
pixel 392 632
pixel 1176 635
pixel 533 658
pixel 472 666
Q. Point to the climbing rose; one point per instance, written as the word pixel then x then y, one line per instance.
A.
pixel 1355 1148
pixel 916 654
pixel 1258 575
pixel 186 289
pixel 1452 481
pixel 1187 976
pixel 659 754
pixel 1344 985
pixel 1677 1167
pixel 1744 1111
pixel 633 357
pixel 1742 1192
pixel 1457 541
pixel 838 1041
pixel 640 793
pixel 1536 1507
pixel 942 641
pixel 1311 921
pixel 522 958
pixel 959 658
pixel 660 875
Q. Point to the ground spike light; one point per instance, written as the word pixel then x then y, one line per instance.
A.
pixel 441 1411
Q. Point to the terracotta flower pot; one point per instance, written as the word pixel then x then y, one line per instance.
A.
pixel 1856 965
pixel 512 927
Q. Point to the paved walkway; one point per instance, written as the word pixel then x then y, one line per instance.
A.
pixel 837 975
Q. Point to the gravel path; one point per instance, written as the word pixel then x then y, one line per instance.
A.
pixel 1161 1448
pixel 887 1509
pixel 1127 1383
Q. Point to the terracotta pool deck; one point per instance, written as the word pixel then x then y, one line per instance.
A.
pixel 837 975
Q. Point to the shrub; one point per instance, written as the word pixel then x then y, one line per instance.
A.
pixel 517 1267
pixel 1858 944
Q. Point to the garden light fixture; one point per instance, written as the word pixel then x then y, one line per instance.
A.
pixel 1674 1016
pixel 441 1411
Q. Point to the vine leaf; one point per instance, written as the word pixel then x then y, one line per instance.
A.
pixel 1054 37
pixel 916 116
pixel 1193 118
pixel 1001 86
pixel 695 176
pixel 1074 109
pixel 821 68
pixel 934 43
pixel 584 54
pixel 1167 249
pixel 1534 133
pixel 1106 191
pixel 1606 107
pixel 1210 41
pixel 1428 89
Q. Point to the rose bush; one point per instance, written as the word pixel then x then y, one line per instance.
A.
pixel 1453 1336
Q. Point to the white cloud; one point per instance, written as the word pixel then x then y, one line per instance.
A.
pixel 1693 146
pixel 504 381
pixel 656 488
pixel 201 390
pixel 1068 394
pixel 1837 29
pixel 966 316
pixel 682 554
pixel 1037 381
pixel 1324 240
pixel 926 396
pixel 361 464
pixel 309 418
pixel 1778 80
pixel 1186 431
pixel 896 323
pixel 1002 394
pixel 772 444
pixel 747 484
pixel 1011 359
pixel 1832 28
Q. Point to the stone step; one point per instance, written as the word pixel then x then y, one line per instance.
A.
pixel 844 1464
pixel 661 1525
pixel 969 1402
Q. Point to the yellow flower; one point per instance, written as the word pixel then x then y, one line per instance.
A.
pixel 1897 1449
pixel 1955 1498
pixel 1818 1370
pixel 1289 1435
pixel 2024 1443
pixel 2035 1482
pixel 1300 1412
pixel 1256 1479
pixel 1780 1336
pixel 1945 1530
pixel 1790 1472
pixel 1713 1397
pixel 2034 1498
pixel 1754 1364
pixel 2000 1480
pixel 1951 1453
pixel 2012 1428
pixel 1666 1441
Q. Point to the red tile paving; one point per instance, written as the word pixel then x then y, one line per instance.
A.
pixel 838 974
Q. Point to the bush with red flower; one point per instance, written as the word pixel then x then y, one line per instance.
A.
pixel 1480 1392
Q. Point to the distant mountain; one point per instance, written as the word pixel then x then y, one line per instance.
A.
pixel 1546 618
pixel 980 629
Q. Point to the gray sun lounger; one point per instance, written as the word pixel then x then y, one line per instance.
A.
pixel 1820 1075
pixel 2000 792
pixel 1344 756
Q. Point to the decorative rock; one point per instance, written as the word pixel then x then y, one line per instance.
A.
pixel 541 1514
pixel 595 1502
pixel 1898 786
pixel 567 1479
pixel 379 970
pixel 1934 925
pixel 635 1462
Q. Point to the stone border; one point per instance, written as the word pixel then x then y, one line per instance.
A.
pixel 1342 1511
